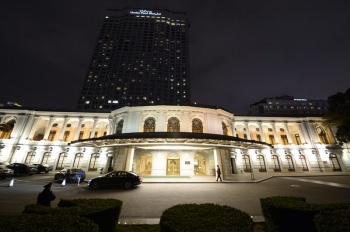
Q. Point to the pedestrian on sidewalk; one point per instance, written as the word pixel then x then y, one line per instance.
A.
pixel 218 172
pixel 46 196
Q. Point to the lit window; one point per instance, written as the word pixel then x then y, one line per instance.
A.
pixel 87 102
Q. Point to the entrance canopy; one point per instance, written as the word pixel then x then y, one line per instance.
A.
pixel 170 140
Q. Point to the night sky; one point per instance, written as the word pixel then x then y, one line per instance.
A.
pixel 241 51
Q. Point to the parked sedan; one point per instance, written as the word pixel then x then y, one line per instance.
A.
pixel 22 168
pixel 43 168
pixel 116 178
pixel 5 172
pixel 71 175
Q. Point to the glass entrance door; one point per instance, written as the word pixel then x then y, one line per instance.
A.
pixel 173 167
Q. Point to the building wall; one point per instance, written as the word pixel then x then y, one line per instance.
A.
pixel 300 144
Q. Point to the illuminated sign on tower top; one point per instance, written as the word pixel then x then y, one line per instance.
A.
pixel 145 12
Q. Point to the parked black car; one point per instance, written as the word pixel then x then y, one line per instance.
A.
pixel 71 175
pixel 5 172
pixel 43 168
pixel 116 178
pixel 22 168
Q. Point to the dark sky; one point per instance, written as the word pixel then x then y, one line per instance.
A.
pixel 241 50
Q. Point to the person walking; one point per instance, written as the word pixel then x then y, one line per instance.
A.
pixel 46 196
pixel 218 172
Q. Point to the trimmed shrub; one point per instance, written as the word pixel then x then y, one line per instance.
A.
pixel 293 213
pixel 47 223
pixel 333 221
pixel 104 212
pixel 205 217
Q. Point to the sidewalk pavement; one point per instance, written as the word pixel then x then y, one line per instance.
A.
pixel 233 178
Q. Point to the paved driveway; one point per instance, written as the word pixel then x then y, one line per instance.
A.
pixel 146 202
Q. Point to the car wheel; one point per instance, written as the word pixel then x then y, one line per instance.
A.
pixel 95 185
pixel 128 185
pixel 46 171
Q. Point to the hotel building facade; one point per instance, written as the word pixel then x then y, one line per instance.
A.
pixel 171 140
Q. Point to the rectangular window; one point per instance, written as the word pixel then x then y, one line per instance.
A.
pixel 51 135
pixel 66 135
pixel 81 135
pixel 258 137
pixel 284 139
pixel 297 138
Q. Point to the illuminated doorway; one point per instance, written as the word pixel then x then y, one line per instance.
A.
pixel 173 165
pixel 144 165
pixel 200 165
pixel 335 163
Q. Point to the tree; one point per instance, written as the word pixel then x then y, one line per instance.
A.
pixel 338 115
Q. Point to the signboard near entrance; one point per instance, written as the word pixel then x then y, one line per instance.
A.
pixel 187 162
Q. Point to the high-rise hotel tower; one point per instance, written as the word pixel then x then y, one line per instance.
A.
pixel 141 58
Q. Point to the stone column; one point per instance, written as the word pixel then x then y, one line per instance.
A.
pixel 261 132
pixel 289 137
pixel 77 131
pixel 33 128
pixel 110 130
pixel 303 136
pixel 49 126
pixel 92 135
pixel 275 133
pixel 60 137
pixel 234 134
pixel 247 130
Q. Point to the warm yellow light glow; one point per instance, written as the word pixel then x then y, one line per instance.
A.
pixel 167 147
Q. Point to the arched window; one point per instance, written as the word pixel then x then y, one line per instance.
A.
pixel 6 129
pixel 276 163
pixel 322 135
pixel 46 157
pixel 93 162
pixel 120 127
pixel 197 126
pixel 30 157
pixel 173 125
pixel 61 161
pixel 290 163
pixel 246 163
pixel 303 163
pixel 262 166
pixel 150 125
pixel 224 128
pixel 77 160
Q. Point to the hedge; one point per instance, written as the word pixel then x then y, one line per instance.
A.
pixel 205 217
pixel 104 212
pixel 47 223
pixel 333 221
pixel 293 213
